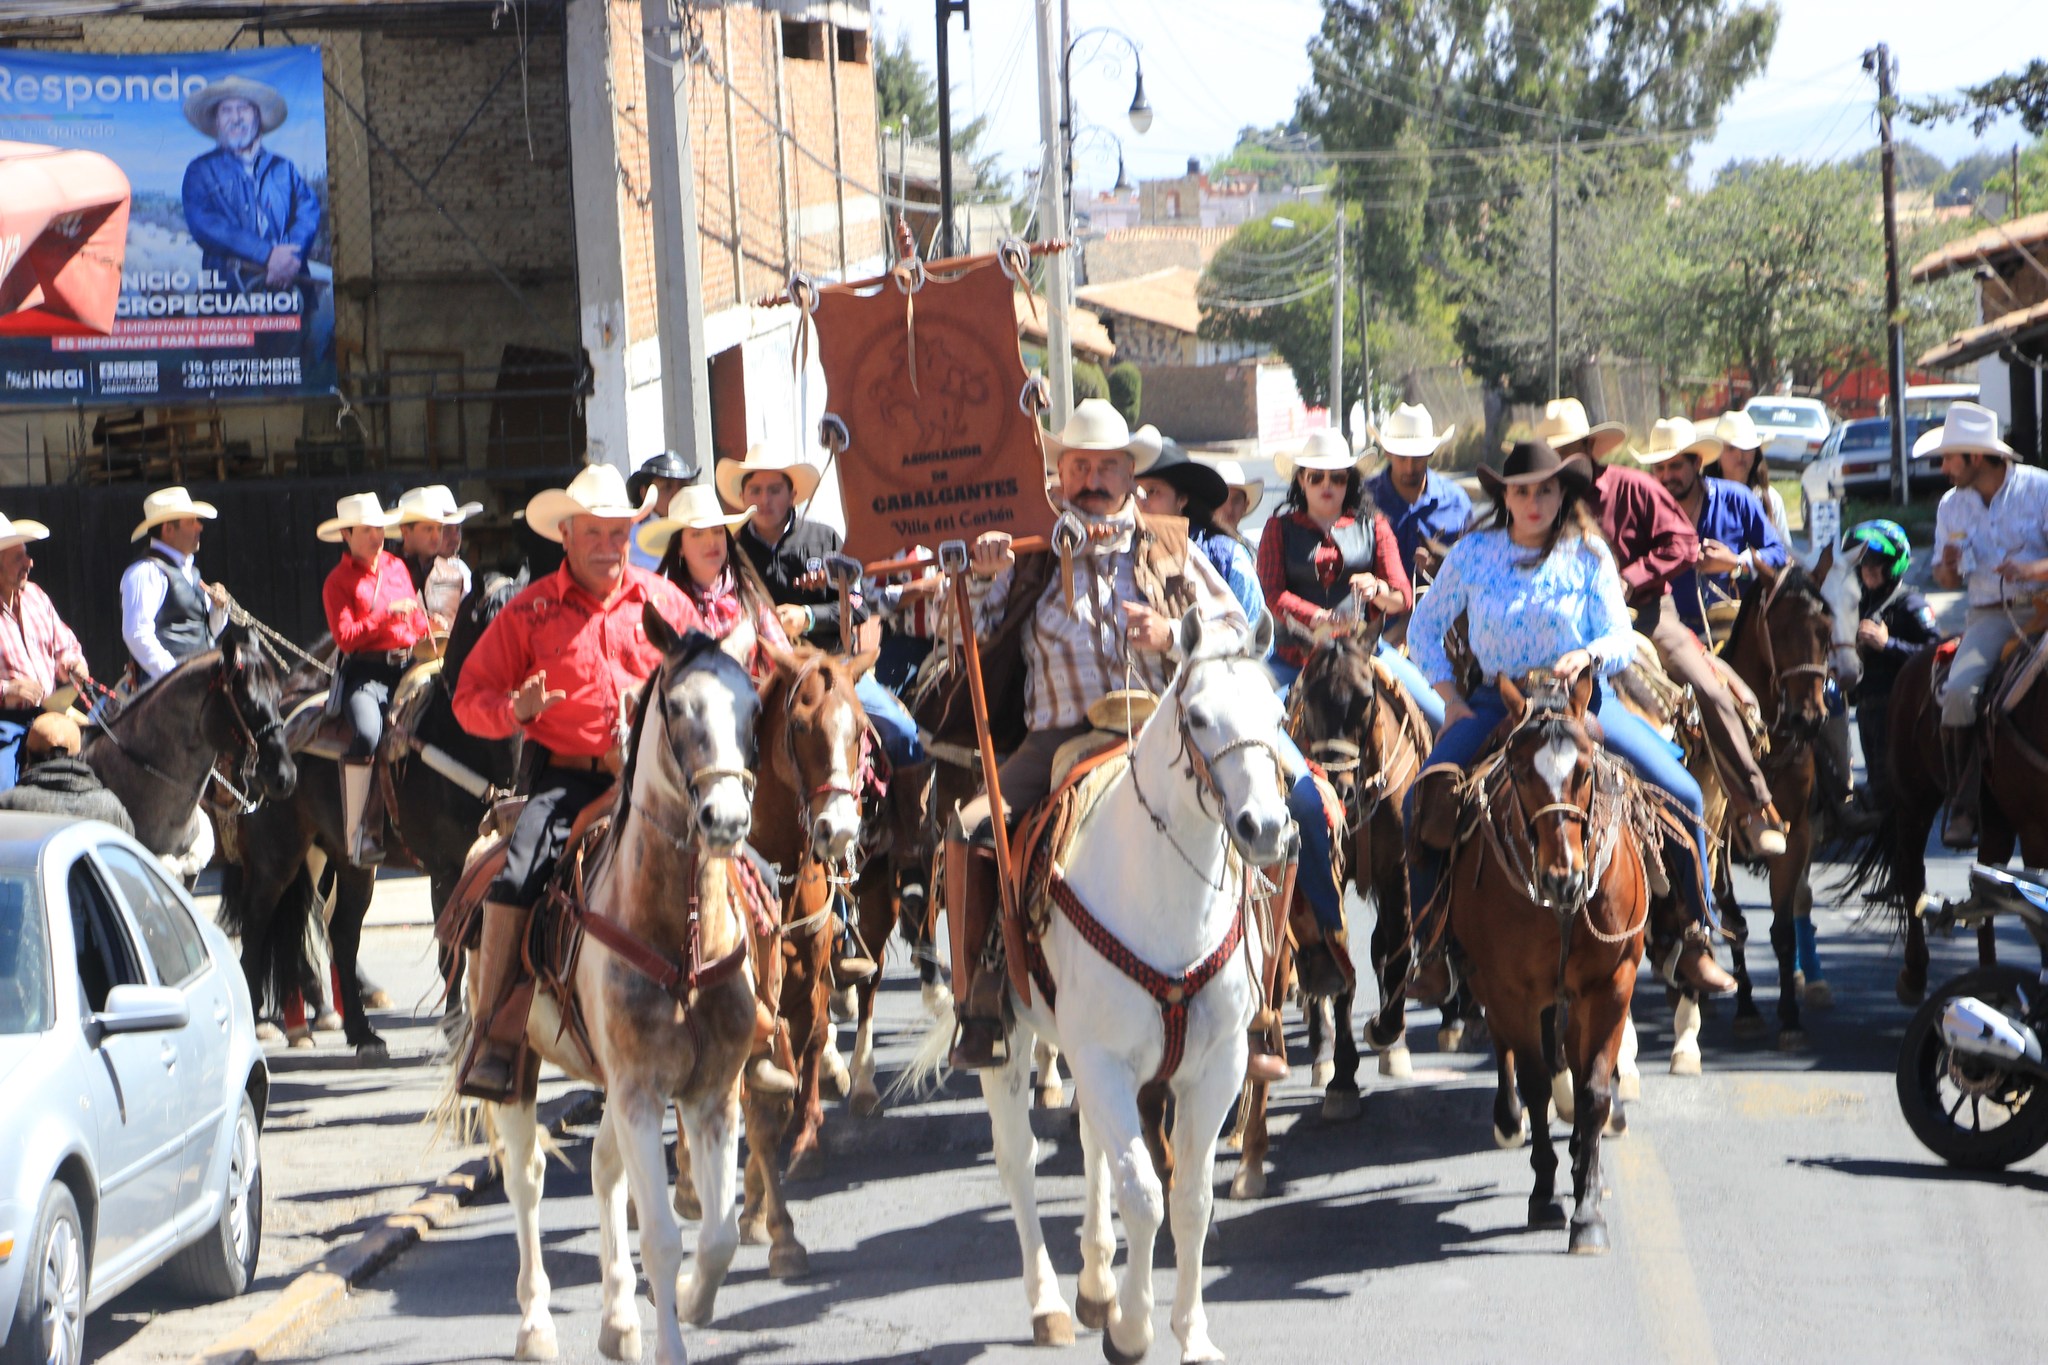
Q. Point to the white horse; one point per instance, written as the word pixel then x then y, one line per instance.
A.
pixel 1154 874
pixel 660 876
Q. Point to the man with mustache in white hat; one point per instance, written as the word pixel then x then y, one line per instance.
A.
pixel 37 650
pixel 1654 542
pixel 555 664
pixel 168 612
pixel 424 516
pixel 1047 657
pixel 1991 537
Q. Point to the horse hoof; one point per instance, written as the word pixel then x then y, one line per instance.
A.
pixel 866 1104
pixel 536 1343
pixel 1508 1141
pixel 1395 1062
pixel 1052 1097
pixel 833 1080
pixel 1115 1354
pixel 1685 1063
pixel 1546 1214
pixel 619 1343
pixel 300 1037
pixel 372 1051
pixel 788 1262
pixel 1450 1037
pixel 754 1232
pixel 1052 1329
pixel 686 1206
pixel 1340 1104
pixel 1093 1313
pixel 1750 1027
pixel 1617 1122
pixel 1819 995
pixel 1628 1086
pixel 807 1165
pixel 1909 989
pixel 1791 1040
pixel 1321 1074
pixel 327 1021
pixel 1589 1239
pixel 267 1032
pixel 377 1000
pixel 1248 1183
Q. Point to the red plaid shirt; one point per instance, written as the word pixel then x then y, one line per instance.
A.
pixel 35 642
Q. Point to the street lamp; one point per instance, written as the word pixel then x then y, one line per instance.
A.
pixel 1140 111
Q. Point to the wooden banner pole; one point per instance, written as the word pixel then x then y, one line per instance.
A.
pixel 883 568
pixel 970 650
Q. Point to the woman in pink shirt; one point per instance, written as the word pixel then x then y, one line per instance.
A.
pixel 375 618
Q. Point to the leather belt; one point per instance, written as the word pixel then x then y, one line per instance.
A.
pixel 610 762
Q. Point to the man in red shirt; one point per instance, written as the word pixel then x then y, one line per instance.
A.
pixel 1655 541
pixel 556 663
pixel 374 615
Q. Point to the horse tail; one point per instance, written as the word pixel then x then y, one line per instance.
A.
pixel 1880 858
pixel 296 954
pixel 232 916
pixel 927 1069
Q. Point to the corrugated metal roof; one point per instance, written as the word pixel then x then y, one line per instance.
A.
pixel 2000 241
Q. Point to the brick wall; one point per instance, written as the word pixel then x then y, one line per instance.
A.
pixel 1147 343
pixel 1202 402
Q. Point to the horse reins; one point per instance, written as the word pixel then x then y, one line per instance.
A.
pixel 251 740
pixel 1200 767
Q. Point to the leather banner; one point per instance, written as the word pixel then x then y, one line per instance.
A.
pixel 928 384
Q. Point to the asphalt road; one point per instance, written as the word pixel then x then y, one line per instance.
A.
pixel 1774 1209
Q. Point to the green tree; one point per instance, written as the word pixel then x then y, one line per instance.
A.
pixel 1270 284
pixel 905 97
pixel 2023 93
pixel 1282 157
pixel 1127 390
pixel 1089 381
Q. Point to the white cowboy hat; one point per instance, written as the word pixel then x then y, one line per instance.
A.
pixel 1674 436
pixel 1233 477
pixel 730 474
pixel 1411 431
pixel 1564 421
pixel 598 490
pixel 1968 427
pixel 170 504
pixel 1737 431
pixel 433 503
pixel 1096 425
pixel 694 508
pixel 13 533
pixel 1325 449
pixel 357 509
pixel 203 103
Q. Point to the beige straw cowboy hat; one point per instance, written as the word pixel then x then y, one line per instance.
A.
pixel 13 533
pixel 1411 431
pixel 1968 427
pixel 203 103
pixel 170 504
pixel 598 490
pixel 1674 436
pixel 1564 421
pixel 1324 449
pixel 692 509
pixel 357 509
pixel 731 474
pixel 1096 425
pixel 433 503
pixel 1737 431
pixel 1233 477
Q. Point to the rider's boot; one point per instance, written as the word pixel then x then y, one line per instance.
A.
pixel 1437 810
pixel 362 808
pixel 1266 1059
pixel 1695 966
pixel 1963 756
pixel 1764 831
pixel 491 1070
pixel 764 1078
pixel 971 900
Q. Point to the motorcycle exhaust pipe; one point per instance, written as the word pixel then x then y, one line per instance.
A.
pixel 1970 1026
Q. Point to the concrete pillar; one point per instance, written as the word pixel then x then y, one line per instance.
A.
pixel 600 261
pixel 678 275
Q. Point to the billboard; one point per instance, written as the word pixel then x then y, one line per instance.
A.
pixel 227 284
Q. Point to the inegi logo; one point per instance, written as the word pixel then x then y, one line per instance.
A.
pixel 29 381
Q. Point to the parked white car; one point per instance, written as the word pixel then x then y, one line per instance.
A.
pixel 134 1085
pixel 1792 428
pixel 1929 403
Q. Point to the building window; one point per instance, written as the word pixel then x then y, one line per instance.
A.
pixel 803 42
pixel 1173 203
pixel 853 46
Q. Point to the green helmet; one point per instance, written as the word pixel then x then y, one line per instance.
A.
pixel 1887 542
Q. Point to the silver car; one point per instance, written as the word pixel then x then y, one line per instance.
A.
pixel 132 1087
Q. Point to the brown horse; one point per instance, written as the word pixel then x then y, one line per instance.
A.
pixel 1780 647
pixel 2014 817
pixel 1549 897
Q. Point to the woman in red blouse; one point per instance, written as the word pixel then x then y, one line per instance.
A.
pixel 697 553
pixel 375 617
pixel 1326 550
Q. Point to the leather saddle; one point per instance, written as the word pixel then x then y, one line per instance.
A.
pixel 318 727
pixel 461 914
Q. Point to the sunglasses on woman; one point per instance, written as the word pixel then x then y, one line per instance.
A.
pixel 1316 478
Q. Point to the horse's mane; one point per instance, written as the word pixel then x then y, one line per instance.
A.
pixel 260 679
pixel 477 611
pixel 1793 579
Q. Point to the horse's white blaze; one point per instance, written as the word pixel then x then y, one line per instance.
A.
pixel 837 821
pixel 1555 764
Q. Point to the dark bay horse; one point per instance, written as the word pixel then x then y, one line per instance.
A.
pixel 1780 647
pixel 1549 899
pixel 271 900
pixel 157 748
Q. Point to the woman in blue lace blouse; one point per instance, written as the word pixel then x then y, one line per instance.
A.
pixel 1539 589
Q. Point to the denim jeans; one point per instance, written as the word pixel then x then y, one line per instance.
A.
pixel 892 722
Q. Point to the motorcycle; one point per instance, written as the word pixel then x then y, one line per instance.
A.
pixel 1972 1081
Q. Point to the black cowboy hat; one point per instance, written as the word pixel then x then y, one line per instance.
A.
pixel 667 465
pixel 1200 484
pixel 1535 461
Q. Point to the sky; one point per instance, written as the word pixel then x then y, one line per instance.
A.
pixel 1210 70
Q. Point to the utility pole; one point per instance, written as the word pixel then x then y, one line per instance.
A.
pixel 1337 328
pixel 946 11
pixel 678 272
pixel 1556 156
pixel 2014 210
pixel 1879 60
pixel 1052 215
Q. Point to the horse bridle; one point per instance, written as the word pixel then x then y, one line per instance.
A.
pixel 808 802
pixel 1337 757
pixel 697 779
pixel 1784 679
pixel 1521 864
pixel 1200 767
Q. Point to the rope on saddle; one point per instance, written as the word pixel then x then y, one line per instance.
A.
pixel 1173 994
